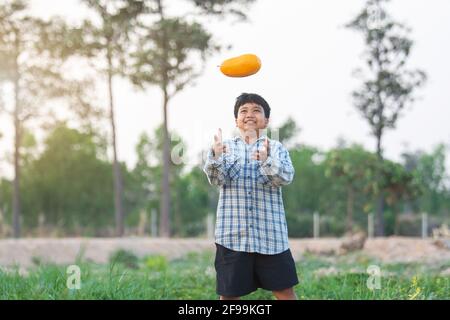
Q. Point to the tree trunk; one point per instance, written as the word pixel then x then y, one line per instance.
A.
pixel 165 197
pixel 379 231
pixel 16 182
pixel 379 204
pixel 350 202
pixel 118 184
pixel 17 142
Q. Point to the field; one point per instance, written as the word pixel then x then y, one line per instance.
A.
pixel 192 276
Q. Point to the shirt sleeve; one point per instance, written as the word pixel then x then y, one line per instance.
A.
pixel 215 169
pixel 277 170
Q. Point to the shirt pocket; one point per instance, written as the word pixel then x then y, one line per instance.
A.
pixel 261 177
pixel 233 166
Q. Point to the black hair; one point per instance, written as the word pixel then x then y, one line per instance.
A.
pixel 251 98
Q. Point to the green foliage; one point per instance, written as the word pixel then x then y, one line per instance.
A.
pixel 431 174
pixel 224 7
pixel 68 183
pixel 125 258
pixel 165 55
pixel 109 40
pixel 84 206
pixel 156 263
pixel 190 195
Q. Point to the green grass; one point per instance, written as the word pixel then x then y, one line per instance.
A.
pixel 193 277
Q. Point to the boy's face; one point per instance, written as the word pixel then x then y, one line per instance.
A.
pixel 251 117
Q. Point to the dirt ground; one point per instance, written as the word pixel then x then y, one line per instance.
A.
pixel 21 252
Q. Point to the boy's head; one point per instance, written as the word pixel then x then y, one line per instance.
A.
pixel 251 111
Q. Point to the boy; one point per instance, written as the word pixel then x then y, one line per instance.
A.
pixel 251 232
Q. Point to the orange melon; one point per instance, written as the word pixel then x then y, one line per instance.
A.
pixel 242 66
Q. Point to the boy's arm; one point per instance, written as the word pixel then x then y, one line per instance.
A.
pixel 214 169
pixel 277 170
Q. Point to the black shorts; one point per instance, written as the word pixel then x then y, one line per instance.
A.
pixel 240 273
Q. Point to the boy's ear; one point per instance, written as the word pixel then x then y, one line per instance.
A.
pixel 235 120
pixel 267 121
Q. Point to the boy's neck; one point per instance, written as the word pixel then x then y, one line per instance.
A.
pixel 250 137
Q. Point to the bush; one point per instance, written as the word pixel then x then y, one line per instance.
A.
pixel 126 258
pixel 156 263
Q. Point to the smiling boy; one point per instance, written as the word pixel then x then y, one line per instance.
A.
pixel 251 234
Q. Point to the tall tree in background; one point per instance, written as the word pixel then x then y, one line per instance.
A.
pixel 171 54
pixel 109 42
pixel 148 174
pixel 34 72
pixel 388 85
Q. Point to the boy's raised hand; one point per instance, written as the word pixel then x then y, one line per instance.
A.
pixel 218 146
pixel 263 153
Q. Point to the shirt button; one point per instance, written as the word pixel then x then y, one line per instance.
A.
pixel 249 192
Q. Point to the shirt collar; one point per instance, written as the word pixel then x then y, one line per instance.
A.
pixel 238 137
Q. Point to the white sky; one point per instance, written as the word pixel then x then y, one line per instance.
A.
pixel 307 62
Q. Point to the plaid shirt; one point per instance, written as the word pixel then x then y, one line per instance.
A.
pixel 250 212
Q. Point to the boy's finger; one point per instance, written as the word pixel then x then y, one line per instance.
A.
pixel 267 144
pixel 220 134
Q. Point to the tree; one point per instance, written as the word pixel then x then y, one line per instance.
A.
pixel 389 86
pixel 109 42
pixel 192 204
pixel 34 72
pixel 143 174
pixel 69 182
pixel 148 172
pixel 399 183
pixel 171 54
pixel 430 171
pixel 354 168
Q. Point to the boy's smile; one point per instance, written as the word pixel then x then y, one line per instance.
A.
pixel 251 118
